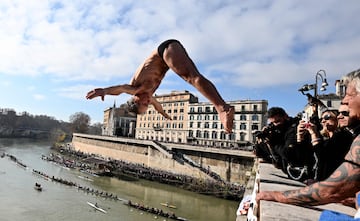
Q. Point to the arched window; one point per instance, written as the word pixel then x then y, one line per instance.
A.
pixel 206 134
pixel 198 134
pixel 214 135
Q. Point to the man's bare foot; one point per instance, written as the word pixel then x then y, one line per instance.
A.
pixel 227 118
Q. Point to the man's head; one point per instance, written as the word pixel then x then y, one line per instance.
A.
pixel 352 96
pixel 139 103
pixel 343 115
pixel 277 116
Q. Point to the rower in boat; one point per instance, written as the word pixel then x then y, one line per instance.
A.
pixel 96 207
pixel 38 187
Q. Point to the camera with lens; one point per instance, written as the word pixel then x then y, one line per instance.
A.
pixel 266 132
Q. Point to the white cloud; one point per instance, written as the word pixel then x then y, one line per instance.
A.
pixel 252 43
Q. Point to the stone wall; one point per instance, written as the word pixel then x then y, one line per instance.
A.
pixel 234 169
pixel 135 154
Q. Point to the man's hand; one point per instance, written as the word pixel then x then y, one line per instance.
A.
pixel 96 93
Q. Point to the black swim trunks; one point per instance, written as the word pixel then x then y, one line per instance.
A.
pixel 164 45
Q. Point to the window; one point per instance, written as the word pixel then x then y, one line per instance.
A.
pixel 206 125
pixel 215 117
pixel 192 110
pixel 191 133
pixel 199 109
pixel 255 127
pixel 255 107
pixel 214 135
pixel 214 125
pixel 207 109
pixel 191 117
pixel 198 133
pixel 199 124
pixel 328 103
pixel 199 117
pixel 242 136
pixel 255 117
pixel 242 107
pixel 191 124
pixel 242 117
pixel 242 126
pixel 206 134
pixel 207 117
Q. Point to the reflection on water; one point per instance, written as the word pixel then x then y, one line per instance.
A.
pixel 20 201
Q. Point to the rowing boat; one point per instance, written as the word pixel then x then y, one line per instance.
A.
pixel 96 207
pixel 168 205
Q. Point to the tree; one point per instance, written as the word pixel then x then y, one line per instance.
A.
pixel 80 122
pixel 95 129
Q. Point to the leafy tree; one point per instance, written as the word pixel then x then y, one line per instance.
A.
pixel 80 122
pixel 95 129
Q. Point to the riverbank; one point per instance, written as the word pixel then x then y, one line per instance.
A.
pixel 96 164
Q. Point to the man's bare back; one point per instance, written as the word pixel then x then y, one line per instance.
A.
pixel 147 78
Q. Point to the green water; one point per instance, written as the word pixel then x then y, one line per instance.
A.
pixel 19 200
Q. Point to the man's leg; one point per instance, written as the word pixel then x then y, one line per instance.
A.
pixel 178 60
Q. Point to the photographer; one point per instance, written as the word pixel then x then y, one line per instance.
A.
pixel 280 138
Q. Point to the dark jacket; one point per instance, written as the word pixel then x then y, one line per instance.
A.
pixel 289 154
pixel 331 153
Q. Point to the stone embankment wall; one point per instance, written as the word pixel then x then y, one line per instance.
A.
pixel 234 169
pixel 147 156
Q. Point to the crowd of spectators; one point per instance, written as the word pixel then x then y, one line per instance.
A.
pixel 333 141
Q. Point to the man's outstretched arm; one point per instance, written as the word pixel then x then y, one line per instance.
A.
pixel 159 108
pixel 113 90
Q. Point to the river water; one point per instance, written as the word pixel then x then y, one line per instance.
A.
pixel 20 201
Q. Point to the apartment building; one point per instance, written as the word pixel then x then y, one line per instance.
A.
pixel 153 126
pixel 206 129
pixel 198 123
pixel 118 122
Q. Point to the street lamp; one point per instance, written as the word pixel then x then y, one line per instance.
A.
pixel 324 82
pixel 313 100
pixel 321 74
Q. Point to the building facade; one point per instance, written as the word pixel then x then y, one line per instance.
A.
pixel 198 123
pixel 153 126
pixel 206 129
pixel 118 122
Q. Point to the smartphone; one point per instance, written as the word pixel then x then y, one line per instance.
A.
pixel 305 117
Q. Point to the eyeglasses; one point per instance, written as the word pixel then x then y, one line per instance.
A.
pixel 326 117
pixel 344 113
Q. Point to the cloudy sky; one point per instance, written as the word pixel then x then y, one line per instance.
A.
pixel 54 52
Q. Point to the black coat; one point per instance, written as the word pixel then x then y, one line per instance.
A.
pixel 331 153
